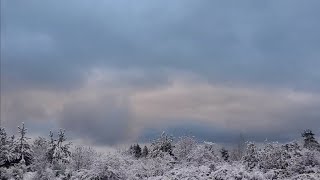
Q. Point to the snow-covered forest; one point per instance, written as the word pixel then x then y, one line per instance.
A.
pixel 166 157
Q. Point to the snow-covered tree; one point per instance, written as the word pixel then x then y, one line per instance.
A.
pixel 58 149
pixel 62 152
pixel 39 150
pixel 309 140
pixel 105 167
pixel 306 161
pixel 293 149
pixel 251 157
pixel 58 153
pixel 130 150
pixel 136 151
pixel 83 157
pixel 51 148
pixel 273 156
pixel 239 150
pixel 162 145
pixel 23 150
pixel 224 154
pixel 204 154
pixel 184 146
pixel 6 149
pixel 145 152
pixel 41 163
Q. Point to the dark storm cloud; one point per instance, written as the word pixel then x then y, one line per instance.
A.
pixel 103 121
pixel 51 44
pixel 283 127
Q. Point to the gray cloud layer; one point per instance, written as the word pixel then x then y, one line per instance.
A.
pixel 53 50
pixel 104 121
pixel 51 43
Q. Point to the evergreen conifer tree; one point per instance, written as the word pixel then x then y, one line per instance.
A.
pixel 309 141
pixel 145 151
pixel 224 154
pixel 22 148
pixel 162 145
pixel 137 151
pixel 6 153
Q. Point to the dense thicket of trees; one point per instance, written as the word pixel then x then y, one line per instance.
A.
pixel 55 158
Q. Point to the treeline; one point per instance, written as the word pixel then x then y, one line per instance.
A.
pixel 55 158
pixel 164 144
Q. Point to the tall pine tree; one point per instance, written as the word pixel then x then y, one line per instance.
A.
pixel 6 149
pixel 22 148
pixel 145 151
pixel 309 141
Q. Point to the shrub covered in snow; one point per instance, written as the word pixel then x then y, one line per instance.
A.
pixel 184 147
pixel 204 154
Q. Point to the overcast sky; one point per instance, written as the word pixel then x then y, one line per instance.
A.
pixel 119 71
